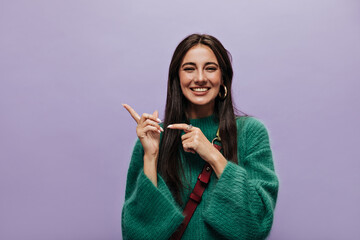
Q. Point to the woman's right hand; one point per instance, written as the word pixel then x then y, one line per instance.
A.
pixel 147 130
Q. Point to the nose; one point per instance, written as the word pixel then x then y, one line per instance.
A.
pixel 200 79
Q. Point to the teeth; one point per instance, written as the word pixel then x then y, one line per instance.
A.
pixel 199 89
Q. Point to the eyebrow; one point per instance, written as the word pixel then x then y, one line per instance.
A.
pixel 193 64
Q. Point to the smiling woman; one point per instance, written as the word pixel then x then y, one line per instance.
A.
pixel 200 79
pixel 238 200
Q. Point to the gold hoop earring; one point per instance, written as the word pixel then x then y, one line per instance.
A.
pixel 225 93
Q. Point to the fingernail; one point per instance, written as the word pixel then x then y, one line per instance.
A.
pixel 170 126
pixel 159 120
pixel 161 129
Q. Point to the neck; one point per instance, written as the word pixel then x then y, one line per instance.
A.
pixel 196 111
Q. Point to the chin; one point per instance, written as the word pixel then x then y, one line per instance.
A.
pixel 204 102
pixel 200 103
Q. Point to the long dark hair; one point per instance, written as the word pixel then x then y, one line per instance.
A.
pixel 169 163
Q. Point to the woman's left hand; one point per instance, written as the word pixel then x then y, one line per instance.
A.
pixel 194 141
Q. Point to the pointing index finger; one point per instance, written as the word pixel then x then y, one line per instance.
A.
pixel 180 126
pixel 132 112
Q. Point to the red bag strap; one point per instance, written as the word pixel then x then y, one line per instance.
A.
pixel 195 196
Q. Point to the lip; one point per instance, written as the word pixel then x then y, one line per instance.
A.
pixel 200 93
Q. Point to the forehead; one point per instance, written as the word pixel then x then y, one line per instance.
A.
pixel 200 54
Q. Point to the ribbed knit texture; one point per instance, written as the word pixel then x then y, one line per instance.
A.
pixel 239 205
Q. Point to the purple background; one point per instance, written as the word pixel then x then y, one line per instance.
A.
pixel 66 141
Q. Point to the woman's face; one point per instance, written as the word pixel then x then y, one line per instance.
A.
pixel 200 80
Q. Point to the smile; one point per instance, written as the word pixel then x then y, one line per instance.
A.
pixel 199 89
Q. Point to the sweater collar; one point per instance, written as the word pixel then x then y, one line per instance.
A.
pixel 197 122
pixel 208 125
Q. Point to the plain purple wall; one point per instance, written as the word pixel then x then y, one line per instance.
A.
pixel 66 141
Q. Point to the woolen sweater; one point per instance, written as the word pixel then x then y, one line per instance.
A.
pixel 238 205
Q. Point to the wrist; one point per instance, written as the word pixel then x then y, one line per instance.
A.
pixel 214 156
pixel 151 157
pixel 150 162
pixel 150 168
pixel 218 163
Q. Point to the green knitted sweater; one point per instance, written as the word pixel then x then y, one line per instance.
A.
pixel 238 205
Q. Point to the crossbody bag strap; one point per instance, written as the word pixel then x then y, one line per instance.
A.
pixel 195 196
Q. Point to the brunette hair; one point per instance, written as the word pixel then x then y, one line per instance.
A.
pixel 169 163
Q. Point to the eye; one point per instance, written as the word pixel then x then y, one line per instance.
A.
pixel 189 69
pixel 211 69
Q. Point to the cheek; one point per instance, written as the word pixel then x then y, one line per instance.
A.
pixel 184 80
pixel 216 80
pixel 182 88
pixel 182 83
pixel 217 90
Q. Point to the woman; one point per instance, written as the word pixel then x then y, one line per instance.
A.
pixel 239 200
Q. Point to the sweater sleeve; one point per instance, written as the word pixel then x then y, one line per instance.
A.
pixel 149 212
pixel 244 197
